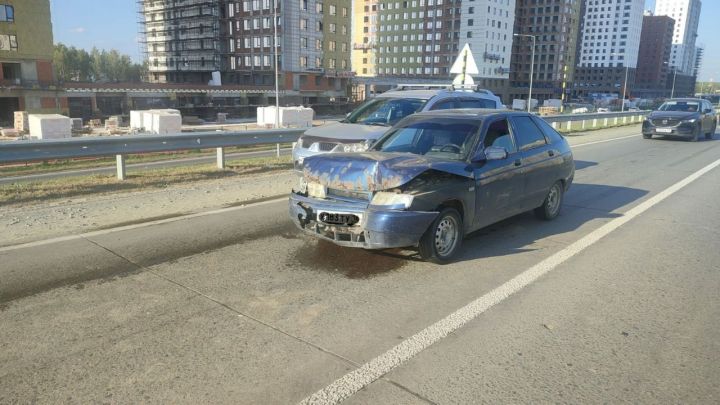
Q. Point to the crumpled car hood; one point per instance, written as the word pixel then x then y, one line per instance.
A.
pixel 342 131
pixel 375 171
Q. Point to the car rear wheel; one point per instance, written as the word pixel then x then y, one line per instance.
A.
pixel 443 238
pixel 550 208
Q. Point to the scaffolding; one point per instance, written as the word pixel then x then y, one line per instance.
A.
pixel 181 40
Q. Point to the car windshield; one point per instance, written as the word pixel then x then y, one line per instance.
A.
pixel 683 106
pixel 385 111
pixel 446 138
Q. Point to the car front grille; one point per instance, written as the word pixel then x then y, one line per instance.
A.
pixel 349 195
pixel 665 122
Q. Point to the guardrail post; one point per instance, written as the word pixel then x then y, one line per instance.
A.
pixel 616 118
pixel 220 158
pixel 583 124
pixel 120 163
pixel 554 125
pixel 569 125
pixel 278 150
pixel 624 120
pixel 606 122
pixel 594 122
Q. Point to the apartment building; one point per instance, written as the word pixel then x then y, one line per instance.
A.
pixel 555 25
pixel 183 39
pixel 655 50
pixel 609 45
pixel 686 14
pixel 188 40
pixel 26 52
pixel 418 40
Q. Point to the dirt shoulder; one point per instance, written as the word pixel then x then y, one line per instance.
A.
pixel 28 221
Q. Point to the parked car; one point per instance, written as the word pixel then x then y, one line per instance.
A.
pixel 603 110
pixel 685 117
pixel 369 121
pixel 434 178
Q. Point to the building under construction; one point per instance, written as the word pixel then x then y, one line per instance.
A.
pixel 182 39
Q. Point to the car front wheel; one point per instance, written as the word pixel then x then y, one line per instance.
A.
pixel 710 134
pixel 443 238
pixel 550 208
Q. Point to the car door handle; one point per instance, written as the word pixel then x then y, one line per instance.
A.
pixel 551 153
pixel 518 163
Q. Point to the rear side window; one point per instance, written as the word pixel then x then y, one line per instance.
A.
pixel 527 134
pixel 444 105
pixel 549 131
pixel 477 103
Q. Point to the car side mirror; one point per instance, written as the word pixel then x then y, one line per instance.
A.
pixel 490 153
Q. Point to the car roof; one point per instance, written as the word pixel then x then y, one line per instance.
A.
pixel 686 99
pixel 430 93
pixel 469 113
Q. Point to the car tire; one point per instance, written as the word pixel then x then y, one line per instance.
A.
pixel 443 238
pixel 550 208
pixel 696 133
pixel 710 134
pixel 647 136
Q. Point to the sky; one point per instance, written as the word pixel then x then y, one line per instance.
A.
pixel 112 24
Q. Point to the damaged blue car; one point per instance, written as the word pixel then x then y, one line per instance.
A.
pixel 432 179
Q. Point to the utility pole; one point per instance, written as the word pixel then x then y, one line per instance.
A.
pixel 532 68
pixel 277 73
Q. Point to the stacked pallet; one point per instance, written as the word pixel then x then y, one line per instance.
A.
pixel 22 124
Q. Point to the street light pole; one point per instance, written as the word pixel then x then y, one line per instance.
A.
pixel 672 93
pixel 532 68
pixel 277 74
pixel 627 69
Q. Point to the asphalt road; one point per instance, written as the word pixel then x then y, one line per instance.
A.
pixel 162 164
pixel 615 301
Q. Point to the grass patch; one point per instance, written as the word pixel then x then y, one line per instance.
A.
pixel 91 163
pixel 24 192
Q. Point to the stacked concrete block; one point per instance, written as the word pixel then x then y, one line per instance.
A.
pixel 288 116
pixel 164 123
pixel 50 126
pixel 112 124
pixel 136 120
pixel 22 125
pixel 221 118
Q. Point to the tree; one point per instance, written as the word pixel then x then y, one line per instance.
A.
pixel 72 64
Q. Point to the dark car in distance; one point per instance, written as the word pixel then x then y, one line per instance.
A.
pixel 685 117
pixel 432 179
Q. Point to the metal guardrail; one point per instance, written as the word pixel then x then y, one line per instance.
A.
pixel 28 151
pixel 120 146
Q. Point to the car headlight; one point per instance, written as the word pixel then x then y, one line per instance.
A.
pixel 690 121
pixel 316 190
pixel 351 147
pixel 302 185
pixel 392 200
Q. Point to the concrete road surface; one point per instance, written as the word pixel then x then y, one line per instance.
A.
pixel 615 301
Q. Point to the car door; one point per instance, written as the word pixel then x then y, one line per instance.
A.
pixel 708 117
pixel 539 159
pixel 498 183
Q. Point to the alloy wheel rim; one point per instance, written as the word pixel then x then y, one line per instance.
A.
pixel 446 236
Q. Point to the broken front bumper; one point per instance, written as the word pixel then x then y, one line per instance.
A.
pixel 377 228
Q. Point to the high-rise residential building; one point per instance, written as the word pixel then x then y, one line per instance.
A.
pixel 699 53
pixel 188 40
pixel 655 50
pixel 686 14
pixel 26 53
pixel 609 45
pixel 555 25
pixel 418 40
pixel 183 39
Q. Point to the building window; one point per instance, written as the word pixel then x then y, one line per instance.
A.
pixel 331 63
pixel 303 24
pixel 303 42
pixel 333 9
pixel 319 8
pixel 303 61
pixel 8 43
pixel 303 5
pixel 7 13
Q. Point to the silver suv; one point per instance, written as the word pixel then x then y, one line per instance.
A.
pixel 373 118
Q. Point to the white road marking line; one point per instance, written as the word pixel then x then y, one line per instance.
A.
pixel 603 141
pixel 134 226
pixel 356 380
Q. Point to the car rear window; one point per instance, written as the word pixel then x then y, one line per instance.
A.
pixel 548 130
pixel 477 103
